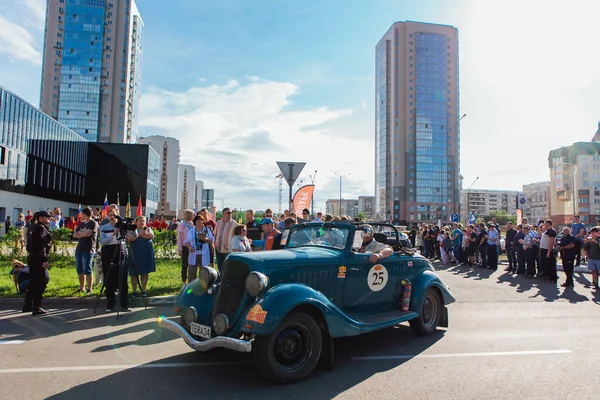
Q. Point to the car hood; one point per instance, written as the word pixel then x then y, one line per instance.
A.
pixel 297 257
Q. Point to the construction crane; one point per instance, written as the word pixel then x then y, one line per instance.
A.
pixel 280 177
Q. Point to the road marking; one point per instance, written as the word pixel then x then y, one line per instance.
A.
pixel 11 341
pixel 463 355
pixel 117 367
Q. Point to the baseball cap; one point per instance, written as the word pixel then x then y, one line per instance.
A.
pixel 266 221
pixel 44 213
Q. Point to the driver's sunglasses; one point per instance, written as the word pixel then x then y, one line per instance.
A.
pixel 228 212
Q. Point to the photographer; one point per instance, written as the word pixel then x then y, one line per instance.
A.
pixel 141 262
pixel 113 254
pixel 198 242
pixel 41 243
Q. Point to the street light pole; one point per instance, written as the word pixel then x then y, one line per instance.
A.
pixel 469 198
pixel 341 176
pixel 312 200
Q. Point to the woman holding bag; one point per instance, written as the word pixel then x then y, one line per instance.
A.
pixel 198 241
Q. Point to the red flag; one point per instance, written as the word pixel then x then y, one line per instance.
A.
pixel 303 198
pixel 105 209
pixel 139 208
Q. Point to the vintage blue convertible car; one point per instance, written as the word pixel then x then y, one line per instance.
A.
pixel 287 306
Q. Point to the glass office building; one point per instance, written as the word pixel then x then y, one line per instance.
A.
pixel 20 124
pixel 42 158
pixel 416 129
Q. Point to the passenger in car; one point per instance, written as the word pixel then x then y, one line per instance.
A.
pixel 370 245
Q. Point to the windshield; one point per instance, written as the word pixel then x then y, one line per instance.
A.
pixel 317 235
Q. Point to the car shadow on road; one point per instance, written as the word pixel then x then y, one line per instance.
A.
pixel 226 374
pixel 64 321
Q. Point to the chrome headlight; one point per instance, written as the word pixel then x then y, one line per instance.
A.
pixel 208 276
pixel 190 315
pixel 256 283
pixel 220 324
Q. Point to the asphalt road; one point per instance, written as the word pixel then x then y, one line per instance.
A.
pixel 509 338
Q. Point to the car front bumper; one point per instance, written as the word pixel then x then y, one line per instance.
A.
pixel 244 346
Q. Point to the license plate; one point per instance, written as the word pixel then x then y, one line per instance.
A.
pixel 200 330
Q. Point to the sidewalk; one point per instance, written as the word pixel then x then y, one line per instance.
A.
pixel 85 302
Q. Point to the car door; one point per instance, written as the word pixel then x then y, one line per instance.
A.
pixel 372 288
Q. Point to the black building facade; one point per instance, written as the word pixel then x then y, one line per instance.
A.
pixel 85 172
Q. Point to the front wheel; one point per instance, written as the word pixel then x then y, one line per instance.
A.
pixel 292 351
pixel 429 317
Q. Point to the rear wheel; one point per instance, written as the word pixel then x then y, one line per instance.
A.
pixel 292 351
pixel 429 317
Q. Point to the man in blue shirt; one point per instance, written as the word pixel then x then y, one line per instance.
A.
pixel 456 240
pixel 578 232
pixel 492 239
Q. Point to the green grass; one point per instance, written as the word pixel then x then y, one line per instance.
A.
pixel 64 282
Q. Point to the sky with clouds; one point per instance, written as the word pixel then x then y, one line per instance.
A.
pixel 245 83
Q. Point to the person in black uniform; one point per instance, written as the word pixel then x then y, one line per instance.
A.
pixel 41 243
pixel 509 243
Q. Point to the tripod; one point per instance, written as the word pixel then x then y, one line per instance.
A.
pixel 118 260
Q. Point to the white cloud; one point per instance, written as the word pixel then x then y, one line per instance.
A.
pixel 18 43
pixel 21 30
pixel 529 84
pixel 234 133
pixel 37 15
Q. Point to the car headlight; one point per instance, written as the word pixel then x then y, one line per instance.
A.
pixel 208 276
pixel 256 283
pixel 190 315
pixel 220 324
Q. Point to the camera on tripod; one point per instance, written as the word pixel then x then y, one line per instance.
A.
pixel 124 225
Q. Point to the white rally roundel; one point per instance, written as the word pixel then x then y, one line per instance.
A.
pixel 378 277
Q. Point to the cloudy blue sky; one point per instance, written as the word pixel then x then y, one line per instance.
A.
pixel 245 83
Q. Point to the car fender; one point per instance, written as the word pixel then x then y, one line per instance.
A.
pixel 265 314
pixel 424 281
pixel 200 298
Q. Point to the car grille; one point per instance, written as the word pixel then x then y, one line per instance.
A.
pixel 231 290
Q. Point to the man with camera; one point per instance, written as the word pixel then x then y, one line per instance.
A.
pixel 38 247
pixel 113 261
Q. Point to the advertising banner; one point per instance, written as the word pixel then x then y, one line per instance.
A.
pixel 303 198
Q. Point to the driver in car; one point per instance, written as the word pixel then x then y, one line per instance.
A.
pixel 370 245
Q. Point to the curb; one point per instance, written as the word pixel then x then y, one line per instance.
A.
pixel 84 302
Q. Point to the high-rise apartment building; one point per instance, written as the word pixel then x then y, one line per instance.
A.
pixel 199 188
pixel 575 181
pixel 417 123
pixel 483 202
pixel 92 67
pixel 187 188
pixel 169 152
pixel 537 206
pixel 365 205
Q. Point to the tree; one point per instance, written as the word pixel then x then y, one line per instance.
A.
pixel 502 217
pixel 362 216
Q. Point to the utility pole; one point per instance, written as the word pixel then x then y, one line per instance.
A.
pixel 341 176
pixel 312 202
pixel 469 200
pixel 280 177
